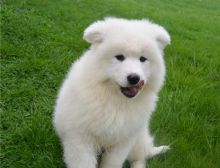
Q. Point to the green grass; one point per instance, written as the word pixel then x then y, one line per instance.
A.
pixel 41 38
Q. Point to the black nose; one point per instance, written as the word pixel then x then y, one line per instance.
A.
pixel 133 79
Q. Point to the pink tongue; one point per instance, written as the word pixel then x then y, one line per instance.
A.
pixel 134 90
pixel 131 90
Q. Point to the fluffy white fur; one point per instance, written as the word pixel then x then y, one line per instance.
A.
pixel 91 112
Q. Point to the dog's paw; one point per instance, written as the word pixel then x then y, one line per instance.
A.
pixel 138 164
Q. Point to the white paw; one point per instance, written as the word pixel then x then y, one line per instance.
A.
pixel 138 164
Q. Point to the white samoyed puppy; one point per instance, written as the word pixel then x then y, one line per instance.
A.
pixel 105 103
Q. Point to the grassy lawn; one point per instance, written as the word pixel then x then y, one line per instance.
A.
pixel 41 38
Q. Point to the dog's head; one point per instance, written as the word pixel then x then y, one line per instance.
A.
pixel 129 52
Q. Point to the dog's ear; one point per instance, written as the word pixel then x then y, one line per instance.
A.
pixel 162 37
pixel 94 33
pixel 158 33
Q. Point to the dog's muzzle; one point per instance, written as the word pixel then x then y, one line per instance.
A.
pixel 132 90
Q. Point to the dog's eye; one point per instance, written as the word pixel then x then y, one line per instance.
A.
pixel 143 59
pixel 120 57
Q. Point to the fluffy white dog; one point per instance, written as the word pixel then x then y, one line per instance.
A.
pixel 106 101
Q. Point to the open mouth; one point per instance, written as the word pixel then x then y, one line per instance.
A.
pixel 132 90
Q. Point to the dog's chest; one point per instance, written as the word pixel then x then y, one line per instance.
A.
pixel 110 125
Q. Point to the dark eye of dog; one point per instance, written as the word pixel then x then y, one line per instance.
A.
pixel 120 57
pixel 143 59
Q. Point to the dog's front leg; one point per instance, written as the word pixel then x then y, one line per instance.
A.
pixel 116 155
pixel 78 153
